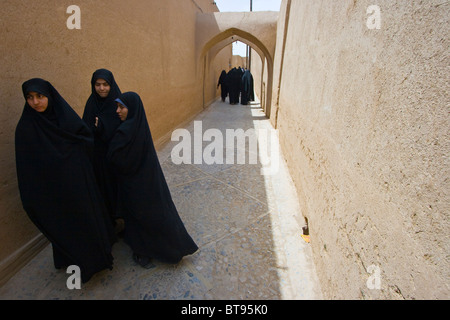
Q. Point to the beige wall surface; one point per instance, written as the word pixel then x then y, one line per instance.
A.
pixel 364 123
pixel 148 45
pixel 259 73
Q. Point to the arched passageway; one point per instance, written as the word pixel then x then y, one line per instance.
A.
pixel 226 38
pixel 256 29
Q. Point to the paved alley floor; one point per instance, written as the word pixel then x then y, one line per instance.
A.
pixel 243 215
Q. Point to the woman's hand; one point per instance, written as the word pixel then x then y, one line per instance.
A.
pixel 96 121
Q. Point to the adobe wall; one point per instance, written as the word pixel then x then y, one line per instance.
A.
pixel 259 73
pixel 363 118
pixel 238 61
pixel 148 45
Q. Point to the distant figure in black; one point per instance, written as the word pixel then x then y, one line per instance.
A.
pixel 100 116
pixel 56 180
pixel 223 83
pixel 153 228
pixel 247 91
pixel 234 77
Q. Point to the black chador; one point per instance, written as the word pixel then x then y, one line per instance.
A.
pixel 57 183
pixel 105 110
pixel 247 91
pixel 153 228
pixel 223 83
pixel 234 87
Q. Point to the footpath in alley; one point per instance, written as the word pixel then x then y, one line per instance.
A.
pixel 248 227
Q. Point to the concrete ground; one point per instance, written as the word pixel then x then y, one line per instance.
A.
pixel 246 222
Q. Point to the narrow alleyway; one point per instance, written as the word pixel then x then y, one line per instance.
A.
pixel 247 225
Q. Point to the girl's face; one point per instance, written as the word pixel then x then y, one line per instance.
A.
pixel 37 101
pixel 122 111
pixel 102 87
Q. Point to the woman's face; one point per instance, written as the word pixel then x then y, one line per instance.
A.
pixel 102 87
pixel 122 111
pixel 37 101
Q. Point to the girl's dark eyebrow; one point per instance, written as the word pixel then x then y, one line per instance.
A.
pixel 28 95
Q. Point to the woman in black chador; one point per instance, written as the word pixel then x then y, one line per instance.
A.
pixel 234 84
pixel 247 91
pixel 153 228
pixel 57 183
pixel 100 115
pixel 223 83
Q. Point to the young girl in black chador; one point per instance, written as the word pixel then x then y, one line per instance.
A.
pixel 56 181
pixel 100 116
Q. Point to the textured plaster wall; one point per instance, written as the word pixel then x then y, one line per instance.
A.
pixel 149 46
pixel 257 73
pixel 363 117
